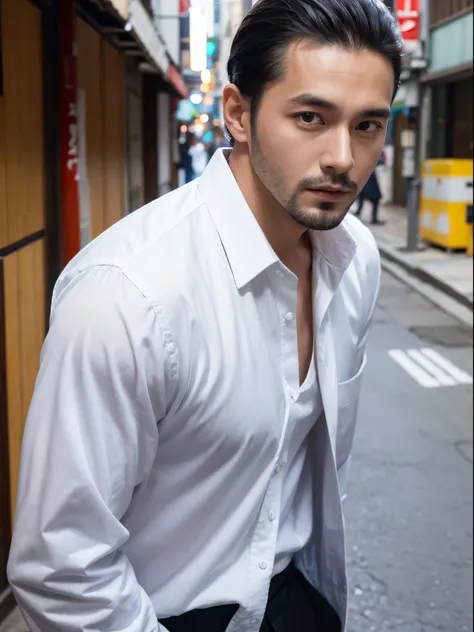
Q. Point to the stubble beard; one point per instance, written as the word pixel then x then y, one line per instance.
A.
pixel 321 218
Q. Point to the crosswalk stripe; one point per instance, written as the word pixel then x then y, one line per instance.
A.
pixel 461 377
pixel 443 378
pixel 413 369
pixel 429 368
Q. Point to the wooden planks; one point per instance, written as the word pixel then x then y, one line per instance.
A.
pixel 101 75
pixel 4 458
pixel 21 123
pixel 24 297
pixel 114 134
pixel 3 179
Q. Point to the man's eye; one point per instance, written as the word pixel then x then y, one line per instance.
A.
pixel 310 118
pixel 369 126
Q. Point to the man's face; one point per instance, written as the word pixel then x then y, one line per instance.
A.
pixel 320 130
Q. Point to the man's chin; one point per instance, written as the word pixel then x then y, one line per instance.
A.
pixel 320 217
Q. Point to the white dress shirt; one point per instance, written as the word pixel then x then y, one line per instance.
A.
pixel 152 468
pixel 296 514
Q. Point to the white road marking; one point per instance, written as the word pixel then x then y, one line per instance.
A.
pixel 433 369
pixel 429 368
pixel 414 370
pixel 460 376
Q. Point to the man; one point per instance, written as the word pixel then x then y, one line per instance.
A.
pixel 190 431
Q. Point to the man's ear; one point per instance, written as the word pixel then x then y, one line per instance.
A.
pixel 236 113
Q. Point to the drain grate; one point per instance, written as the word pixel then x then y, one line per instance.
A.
pixel 445 336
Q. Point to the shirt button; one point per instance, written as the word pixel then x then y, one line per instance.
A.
pixel 280 274
pixel 252 622
pixel 277 469
pixel 263 565
pixel 272 516
pixel 289 317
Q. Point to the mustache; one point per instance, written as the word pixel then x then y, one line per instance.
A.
pixel 341 180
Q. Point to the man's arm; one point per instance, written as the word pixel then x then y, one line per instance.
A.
pixel 91 437
pixel 373 279
pixel 370 277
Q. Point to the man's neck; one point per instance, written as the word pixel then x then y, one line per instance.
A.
pixel 286 237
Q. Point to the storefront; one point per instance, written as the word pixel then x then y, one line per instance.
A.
pixel 404 116
pixel 449 85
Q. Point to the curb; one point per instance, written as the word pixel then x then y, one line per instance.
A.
pixel 389 255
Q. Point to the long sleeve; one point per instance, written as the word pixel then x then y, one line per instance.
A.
pixel 373 282
pixel 90 439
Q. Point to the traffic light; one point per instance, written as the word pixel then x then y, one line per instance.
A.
pixel 211 48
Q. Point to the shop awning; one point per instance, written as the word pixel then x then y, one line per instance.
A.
pixel 120 7
pixel 141 25
pixel 137 26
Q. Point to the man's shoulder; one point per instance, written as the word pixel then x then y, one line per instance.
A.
pixel 364 239
pixel 364 274
pixel 366 256
pixel 144 239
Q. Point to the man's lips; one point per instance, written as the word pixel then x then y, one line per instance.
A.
pixel 329 193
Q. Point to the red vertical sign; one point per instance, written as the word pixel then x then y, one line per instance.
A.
pixel 408 15
pixel 69 132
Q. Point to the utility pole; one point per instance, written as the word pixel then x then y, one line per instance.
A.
pixel 411 141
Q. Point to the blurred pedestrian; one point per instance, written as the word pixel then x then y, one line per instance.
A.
pixel 371 192
pixel 199 157
pixel 186 159
pixel 187 446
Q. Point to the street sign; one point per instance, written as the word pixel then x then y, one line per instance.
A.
pixel 408 16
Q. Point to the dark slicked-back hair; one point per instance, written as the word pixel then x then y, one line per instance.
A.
pixel 258 52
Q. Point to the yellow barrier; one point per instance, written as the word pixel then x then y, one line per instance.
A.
pixel 446 194
pixel 470 246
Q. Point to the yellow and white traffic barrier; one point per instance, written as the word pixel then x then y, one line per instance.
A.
pixel 446 194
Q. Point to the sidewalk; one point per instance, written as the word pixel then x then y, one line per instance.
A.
pixel 450 273
pixel 13 623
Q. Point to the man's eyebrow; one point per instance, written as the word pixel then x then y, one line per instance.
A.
pixel 311 100
pixel 376 113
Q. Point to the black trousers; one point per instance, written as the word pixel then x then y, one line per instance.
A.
pixel 293 606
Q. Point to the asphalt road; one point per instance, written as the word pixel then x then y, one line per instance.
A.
pixel 409 508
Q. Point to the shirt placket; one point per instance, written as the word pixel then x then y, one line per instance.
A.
pixel 263 547
pixel 287 297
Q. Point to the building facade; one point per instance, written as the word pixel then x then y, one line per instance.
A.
pixel 448 82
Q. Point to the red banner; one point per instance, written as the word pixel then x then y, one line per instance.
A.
pixel 69 132
pixel 408 16
pixel 183 6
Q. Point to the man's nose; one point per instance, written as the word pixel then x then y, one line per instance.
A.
pixel 338 158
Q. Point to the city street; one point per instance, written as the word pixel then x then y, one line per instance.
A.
pixel 409 508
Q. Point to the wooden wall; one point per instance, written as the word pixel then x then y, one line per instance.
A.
pixel 101 75
pixel 22 194
pixel 24 294
pixel 23 212
pixel 22 216
pixel 21 123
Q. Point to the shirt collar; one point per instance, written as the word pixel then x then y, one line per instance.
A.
pixel 337 246
pixel 247 249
